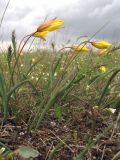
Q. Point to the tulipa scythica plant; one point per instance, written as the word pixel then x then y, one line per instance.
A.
pixel 16 80
pixel 41 32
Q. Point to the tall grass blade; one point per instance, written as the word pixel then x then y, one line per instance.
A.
pixel 4 13
pixel 3 91
pixel 107 85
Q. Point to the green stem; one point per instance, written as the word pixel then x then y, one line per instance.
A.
pixel 42 115
pixel 5 107
pixel 17 58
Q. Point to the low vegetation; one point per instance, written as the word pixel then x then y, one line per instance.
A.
pixel 63 103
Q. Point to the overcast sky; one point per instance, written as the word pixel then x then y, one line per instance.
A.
pixel 81 17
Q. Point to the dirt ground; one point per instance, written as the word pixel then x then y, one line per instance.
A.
pixel 68 136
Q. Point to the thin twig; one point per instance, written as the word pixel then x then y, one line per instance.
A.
pixel 49 151
pixel 103 152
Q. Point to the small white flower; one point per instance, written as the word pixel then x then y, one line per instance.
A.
pixel 87 87
pixel 37 78
pixel 95 107
pixel 22 65
pixel 62 68
pixel 53 124
pixel 118 95
pixel 2 150
pixel 55 74
pixel 112 110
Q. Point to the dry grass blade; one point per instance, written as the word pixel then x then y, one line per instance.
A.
pixel 4 13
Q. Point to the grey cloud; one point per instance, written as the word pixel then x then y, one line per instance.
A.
pixel 86 18
pixel 81 18
pixel 17 14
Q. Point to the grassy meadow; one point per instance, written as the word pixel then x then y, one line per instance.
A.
pixel 59 104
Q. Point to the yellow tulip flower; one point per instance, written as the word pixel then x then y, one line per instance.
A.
pixel 101 44
pixel 79 48
pixel 103 69
pixel 47 27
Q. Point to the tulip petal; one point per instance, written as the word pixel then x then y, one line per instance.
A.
pixel 101 44
pixel 103 69
pixel 45 25
pixel 55 25
pixel 79 48
pixel 41 35
pixel 50 25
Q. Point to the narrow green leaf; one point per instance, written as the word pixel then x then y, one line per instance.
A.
pixel 107 85
pixel 58 112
